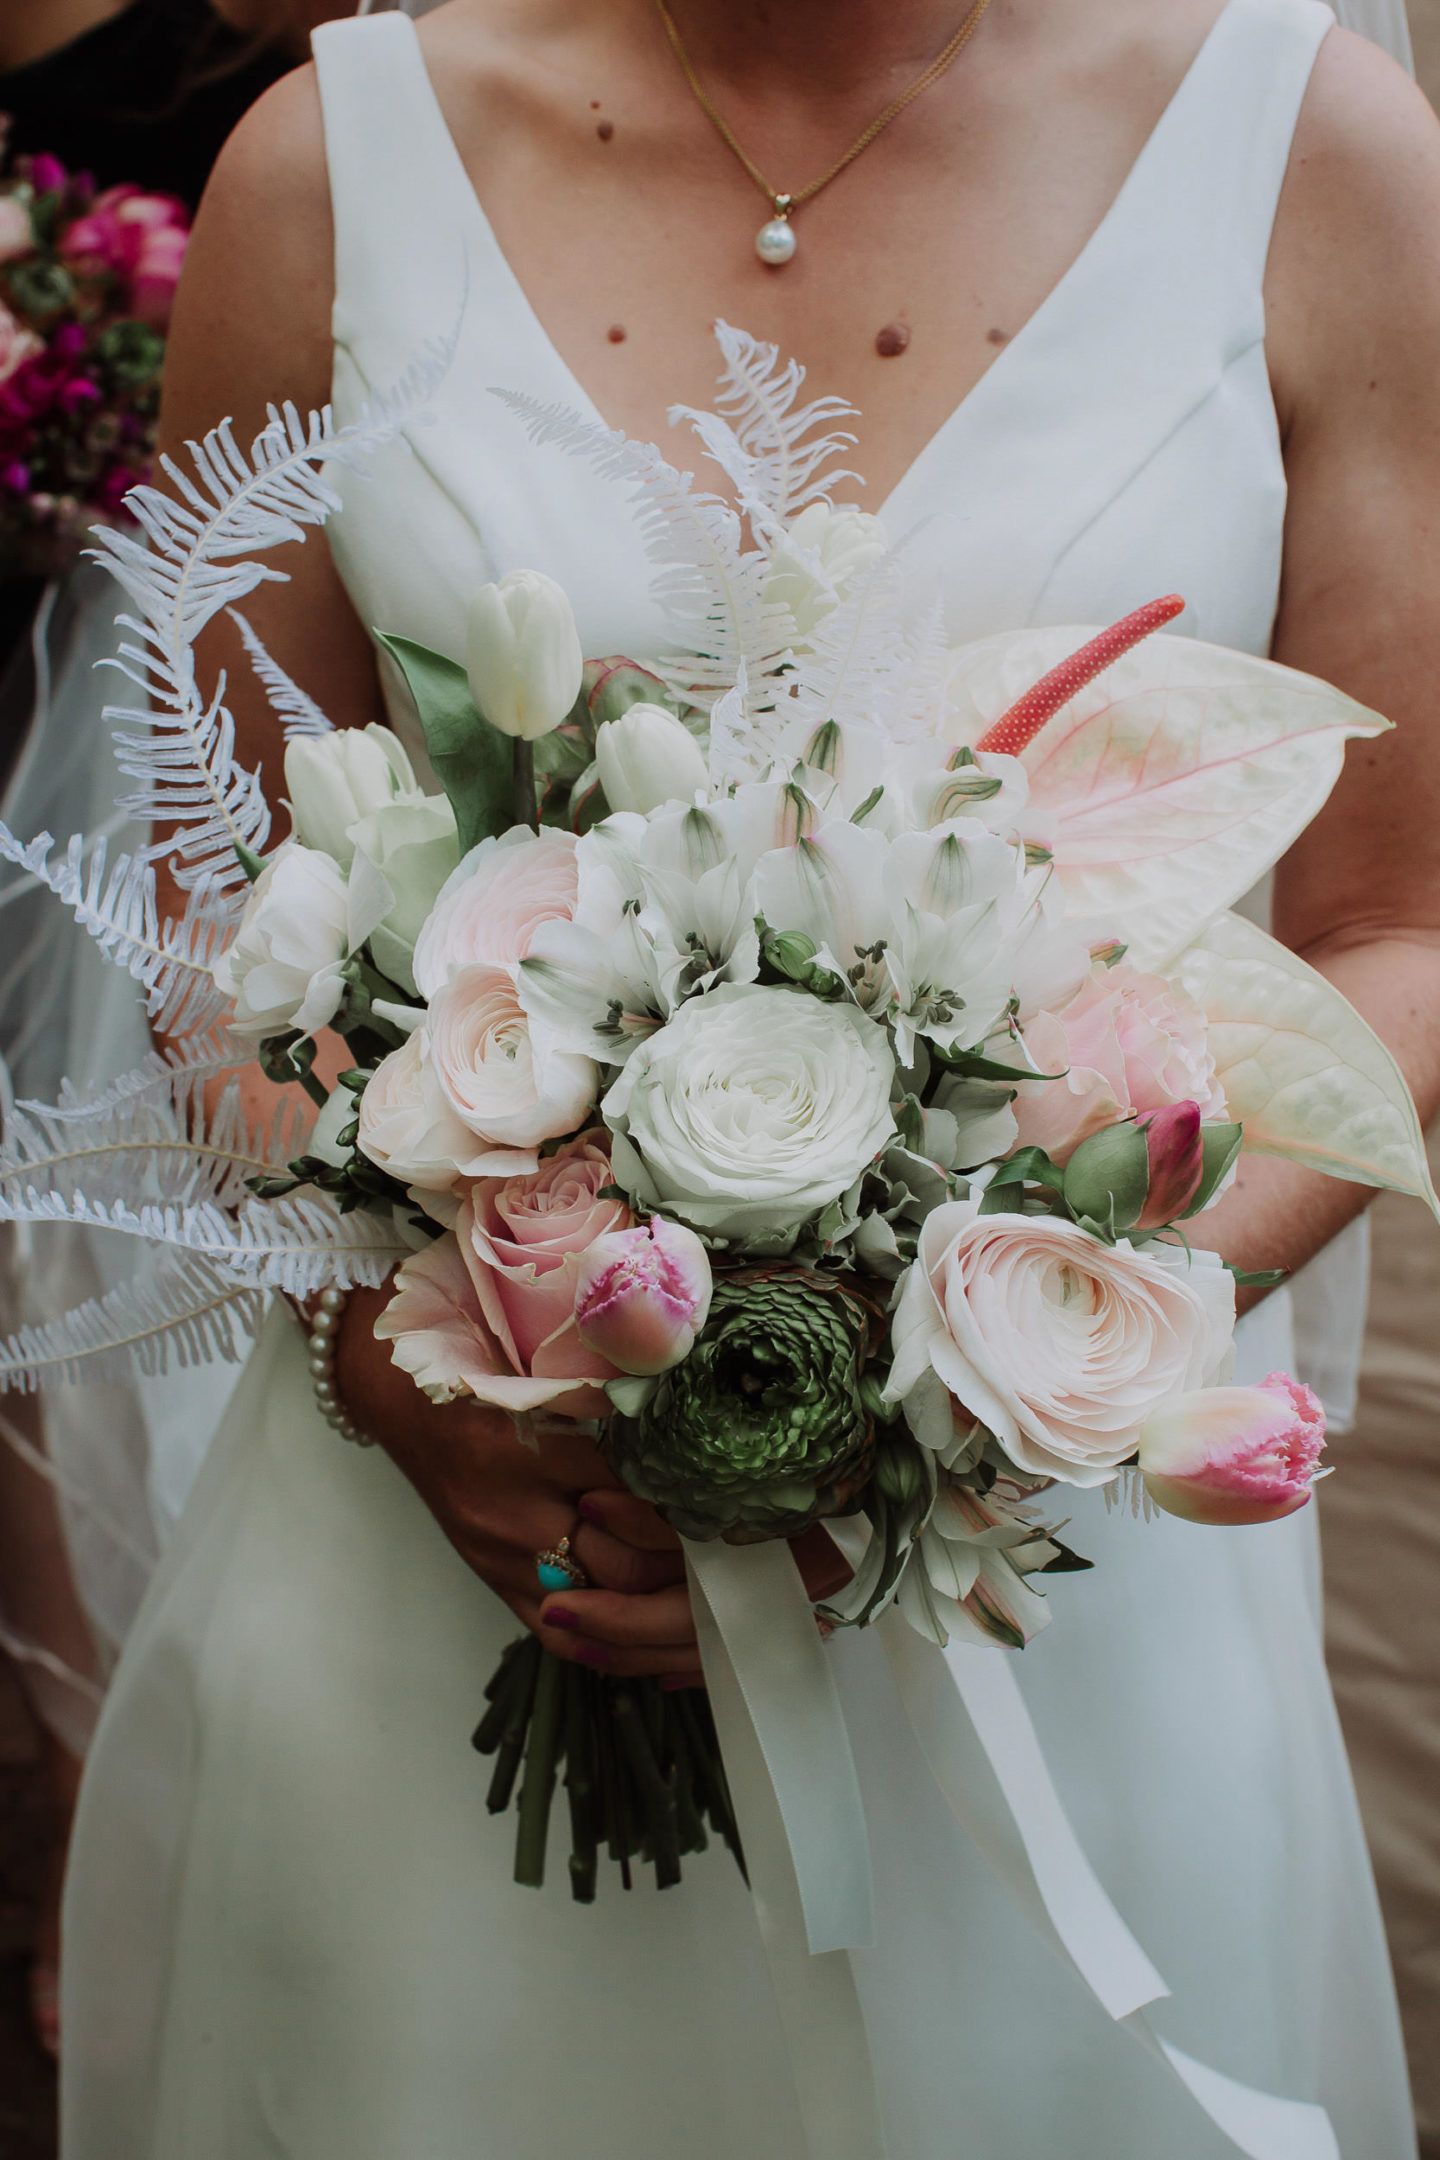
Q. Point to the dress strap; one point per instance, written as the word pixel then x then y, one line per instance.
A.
pixel 394 176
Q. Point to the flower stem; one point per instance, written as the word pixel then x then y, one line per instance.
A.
pixel 538 1788
pixel 523 770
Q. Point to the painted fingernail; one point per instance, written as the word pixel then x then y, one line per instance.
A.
pixel 591 1654
pixel 591 1510
pixel 560 1616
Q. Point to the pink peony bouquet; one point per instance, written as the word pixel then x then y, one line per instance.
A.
pixel 802 1057
pixel 86 284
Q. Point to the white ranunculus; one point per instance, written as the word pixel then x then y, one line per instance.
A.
pixel 492 904
pixel 818 557
pixel 406 1125
pixel 505 1081
pixel 415 847
pixel 334 779
pixel 302 921
pixel 522 654
pixel 1058 1343
pixel 752 1110
pixel 646 758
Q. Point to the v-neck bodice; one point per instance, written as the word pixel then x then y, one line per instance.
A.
pixel 1124 443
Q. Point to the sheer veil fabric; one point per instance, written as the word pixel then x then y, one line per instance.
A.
pixel 291 1928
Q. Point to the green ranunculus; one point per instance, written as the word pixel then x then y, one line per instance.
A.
pixel 763 1428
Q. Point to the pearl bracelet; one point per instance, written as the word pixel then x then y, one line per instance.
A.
pixel 324 1327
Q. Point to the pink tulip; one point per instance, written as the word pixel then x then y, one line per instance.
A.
pixel 1234 1454
pixel 1176 1163
pixel 642 1295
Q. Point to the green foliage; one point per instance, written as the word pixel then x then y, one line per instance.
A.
pixel 473 761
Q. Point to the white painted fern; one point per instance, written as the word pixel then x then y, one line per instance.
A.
pixel 181 1311
pixel 768 447
pixel 297 712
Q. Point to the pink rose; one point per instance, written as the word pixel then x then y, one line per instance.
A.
pixel 1234 1454
pixel 1062 1345
pixel 16 237
pixel 490 1311
pixel 491 906
pixel 1126 1044
pixel 502 1078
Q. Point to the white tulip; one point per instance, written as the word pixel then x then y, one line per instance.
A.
pixel 333 780
pixel 522 654
pixel 300 926
pixel 646 758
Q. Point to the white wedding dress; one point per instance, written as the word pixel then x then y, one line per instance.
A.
pixel 291 1928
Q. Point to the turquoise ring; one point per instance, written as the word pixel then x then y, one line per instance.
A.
pixel 558 1571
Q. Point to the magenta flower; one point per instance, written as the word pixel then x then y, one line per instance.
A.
pixel 1176 1157
pixel 643 1295
pixel 47 174
pixel 15 476
pixel 1234 1454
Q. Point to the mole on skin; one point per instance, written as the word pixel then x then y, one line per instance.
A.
pixel 892 340
pixel 605 129
pixel 616 333
pixel 997 337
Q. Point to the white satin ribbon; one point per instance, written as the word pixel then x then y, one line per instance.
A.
pixel 797 1801
pixel 815 1994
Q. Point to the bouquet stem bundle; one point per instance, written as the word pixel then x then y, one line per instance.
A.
pixel 641 1768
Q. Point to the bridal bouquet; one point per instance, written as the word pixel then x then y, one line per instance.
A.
pixel 86 283
pixel 801 1057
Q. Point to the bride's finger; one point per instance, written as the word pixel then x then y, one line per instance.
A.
pixel 636 1521
pixel 662 1618
pixel 615 1565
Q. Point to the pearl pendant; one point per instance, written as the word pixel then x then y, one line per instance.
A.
pixel 775 242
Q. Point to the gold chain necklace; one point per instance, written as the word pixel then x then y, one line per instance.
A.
pixel 775 241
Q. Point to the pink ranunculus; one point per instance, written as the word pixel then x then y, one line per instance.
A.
pixel 406 1126
pixel 1060 1344
pixel 501 1077
pixel 1234 1454
pixel 491 906
pixel 490 1312
pixel 642 1295
pixel 16 236
pixel 17 344
pixel 1126 1044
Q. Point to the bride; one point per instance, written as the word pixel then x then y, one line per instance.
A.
pixel 1131 299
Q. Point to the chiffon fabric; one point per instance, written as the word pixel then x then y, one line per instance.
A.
pixel 291 1928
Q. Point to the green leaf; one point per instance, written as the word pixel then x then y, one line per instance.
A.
pixel 1265 1278
pixel 251 863
pixel 472 759
pixel 1219 1144
pixel 1029 1166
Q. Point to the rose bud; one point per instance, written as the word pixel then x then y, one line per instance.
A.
pixel 1107 1177
pixel 646 758
pixel 522 654
pixel 1175 1160
pixel 642 1295
pixel 1234 1454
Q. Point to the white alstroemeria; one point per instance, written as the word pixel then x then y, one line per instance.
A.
pixel 522 654
pixel 817 558
pixel 415 848
pixel 303 920
pixel 333 780
pixel 966 1577
pixel 646 757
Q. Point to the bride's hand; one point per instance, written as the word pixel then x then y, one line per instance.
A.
pixel 500 1502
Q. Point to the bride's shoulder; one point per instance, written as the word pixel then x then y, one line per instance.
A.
pixel 1355 257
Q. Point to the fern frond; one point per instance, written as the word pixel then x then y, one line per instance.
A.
pixel 298 1245
pixel 297 713
pixel 172 961
pixel 160 1144
pixel 198 1058
pixel 708 582
pixel 185 1312
pixel 756 399
pixel 856 670
pixel 198 555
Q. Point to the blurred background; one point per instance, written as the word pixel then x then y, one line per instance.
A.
pixel 1380 1515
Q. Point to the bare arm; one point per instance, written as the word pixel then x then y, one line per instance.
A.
pixel 1354 312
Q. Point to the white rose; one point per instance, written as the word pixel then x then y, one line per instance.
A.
pixel 334 779
pixel 506 1084
pixel 522 654
pixel 415 848
pixel 406 1125
pixel 817 557
pixel 1060 1344
pixel 647 758
pixel 490 907
pixel 302 922
pixel 752 1110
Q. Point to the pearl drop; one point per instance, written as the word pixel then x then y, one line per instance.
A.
pixel 775 242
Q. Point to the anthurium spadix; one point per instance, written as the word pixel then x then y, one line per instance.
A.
pixel 1168 785
pixel 1300 1069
